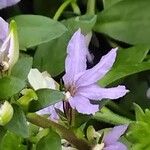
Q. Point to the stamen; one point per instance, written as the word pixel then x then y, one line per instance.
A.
pixel 67 95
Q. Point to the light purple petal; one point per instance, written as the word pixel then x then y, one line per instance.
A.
pixel 83 105
pixel 115 134
pixel 50 110
pixel 97 93
pixel 3 29
pixel 7 3
pixel 116 146
pixel 94 74
pixel 76 57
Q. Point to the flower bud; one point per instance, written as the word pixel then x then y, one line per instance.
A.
pixel 6 113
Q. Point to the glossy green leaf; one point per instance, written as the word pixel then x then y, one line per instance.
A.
pixel 131 55
pixel 18 123
pixel 10 86
pixel 46 97
pixel 12 142
pixel 22 67
pixel 34 30
pixel 46 56
pixel 126 21
pixel 51 141
pixel 127 63
pixel 123 71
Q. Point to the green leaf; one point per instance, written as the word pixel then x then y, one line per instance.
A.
pixel 138 112
pixel 12 142
pixel 139 133
pixel 108 116
pixel 34 30
pixel 46 56
pixel 126 21
pixel 127 63
pixel 123 71
pixel 46 97
pixel 18 123
pixel 22 67
pixel 85 22
pixel 109 3
pixel 10 86
pixel 127 56
pixel 51 141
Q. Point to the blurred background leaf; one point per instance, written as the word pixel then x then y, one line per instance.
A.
pixel 126 21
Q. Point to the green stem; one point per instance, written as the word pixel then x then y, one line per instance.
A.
pixel 75 8
pixel 105 115
pixel 73 116
pixel 61 130
pixel 61 9
pixel 91 7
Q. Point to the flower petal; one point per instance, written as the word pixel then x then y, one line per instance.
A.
pixel 76 57
pixel 13 52
pixel 94 74
pixel 51 83
pixel 50 110
pixel 3 29
pixel 36 79
pixel 116 146
pixel 115 134
pixel 7 3
pixel 83 105
pixel 97 93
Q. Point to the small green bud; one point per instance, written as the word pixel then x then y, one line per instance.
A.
pixel 6 113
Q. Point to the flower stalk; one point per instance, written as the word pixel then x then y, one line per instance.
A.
pixel 61 9
pixel 91 7
pixel 61 130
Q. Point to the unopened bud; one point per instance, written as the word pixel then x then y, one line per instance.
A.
pixel 6 113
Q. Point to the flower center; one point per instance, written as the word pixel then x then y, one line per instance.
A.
pixel 72 90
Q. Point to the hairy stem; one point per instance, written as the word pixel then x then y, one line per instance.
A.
pixel 61 130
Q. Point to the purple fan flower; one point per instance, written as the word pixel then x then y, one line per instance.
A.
pixel 111 139
pixel 7 3
pixel 82 83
